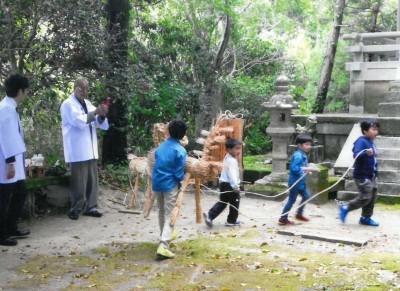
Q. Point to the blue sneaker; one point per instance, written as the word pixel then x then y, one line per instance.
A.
pixel 368 221
pixel 343 211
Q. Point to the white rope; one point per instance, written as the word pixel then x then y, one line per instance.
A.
pixel 259 194
pixel 301 204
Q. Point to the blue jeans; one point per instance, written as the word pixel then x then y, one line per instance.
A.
pixel 299 189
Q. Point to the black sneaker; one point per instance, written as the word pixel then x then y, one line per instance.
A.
pixel 9 242
pixel 93 213
pixel 207 220
pixel 73 216
pixel 19 233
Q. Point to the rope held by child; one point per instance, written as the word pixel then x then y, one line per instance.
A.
pixel 287 190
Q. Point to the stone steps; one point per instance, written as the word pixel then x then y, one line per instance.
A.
pixel 389 126
pixel 388 109
pixel 383 187
pixel 348 195
pixel 387 142
pixel 388 153
pixel 388 164
pixel 388 176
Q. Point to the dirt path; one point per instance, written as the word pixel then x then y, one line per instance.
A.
pixel 56 239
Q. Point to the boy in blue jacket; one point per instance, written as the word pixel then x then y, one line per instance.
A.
pixel 365 170
pixel 298 167
pixel 168 172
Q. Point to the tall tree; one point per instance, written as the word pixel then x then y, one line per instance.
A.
pixel 329 58
pixel 115 140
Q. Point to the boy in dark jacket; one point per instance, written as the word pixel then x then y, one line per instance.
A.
pixel 365 170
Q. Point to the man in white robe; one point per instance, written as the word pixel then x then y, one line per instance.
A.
pixel 79 122
pixel 12 165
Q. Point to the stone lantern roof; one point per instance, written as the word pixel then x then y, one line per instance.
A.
pixel 282 98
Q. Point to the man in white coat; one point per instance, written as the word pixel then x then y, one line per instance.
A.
pixel 12 166
pixel 79 122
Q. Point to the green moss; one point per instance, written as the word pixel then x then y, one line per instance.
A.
pixel 230 260
pixel 256 163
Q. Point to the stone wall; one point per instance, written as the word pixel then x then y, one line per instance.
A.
pixel 333 130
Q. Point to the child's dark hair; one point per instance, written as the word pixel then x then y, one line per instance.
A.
pixel 367 124
pixel 177 129
pixel 303 138
pixel 14 83
pixel 231 143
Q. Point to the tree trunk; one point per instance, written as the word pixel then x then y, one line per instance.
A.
pixel 211 99
pixel 115 140
pixel 329 60
pixel 376 9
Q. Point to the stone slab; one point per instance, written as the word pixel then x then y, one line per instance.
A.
pixel 389 164
pixel 325 237
pixel 389 153
pixel 383 188
pixel 389 126
pixel 348 195
pixel 345 158
pixel 389 109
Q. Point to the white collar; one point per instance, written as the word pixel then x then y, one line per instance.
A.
pixel 11 101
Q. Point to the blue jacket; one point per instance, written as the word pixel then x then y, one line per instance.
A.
pixel 169 167
pixel 298 160
pixel 365 166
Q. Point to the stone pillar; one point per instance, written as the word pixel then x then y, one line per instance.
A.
pixel 389 111
pixel 280 129
pixel 357 84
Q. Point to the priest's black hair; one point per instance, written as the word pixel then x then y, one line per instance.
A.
pixel 14 83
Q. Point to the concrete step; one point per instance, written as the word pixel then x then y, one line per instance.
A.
pixel 389 126
pixel 389 153
pixel 388 109
pixel 389 176
pixel 388 164
pixel 383 187
pixel 387 142
pixel 348 195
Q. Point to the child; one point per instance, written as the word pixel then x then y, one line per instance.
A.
pixel 168 172
pixel 365 169
pixel 229 186
pixel 298 167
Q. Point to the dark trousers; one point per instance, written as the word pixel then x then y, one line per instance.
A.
pixel 367 193
pixel 301 190
pixel 231 198
pixel 84 186
pixel 12 199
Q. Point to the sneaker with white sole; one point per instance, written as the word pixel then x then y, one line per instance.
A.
pixel 232 224
pixel 163 252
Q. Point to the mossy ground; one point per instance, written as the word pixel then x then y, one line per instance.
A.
pixel 256 163
pixel 232 260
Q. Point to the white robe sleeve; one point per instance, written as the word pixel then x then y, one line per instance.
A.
pixel 12 143
pixel 74 116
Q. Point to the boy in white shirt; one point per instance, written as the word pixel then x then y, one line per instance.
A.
pixel 229 186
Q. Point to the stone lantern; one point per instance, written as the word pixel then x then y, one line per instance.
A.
pixel 280 129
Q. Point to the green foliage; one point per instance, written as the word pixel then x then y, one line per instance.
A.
pixel 172 51
pixel 115 175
